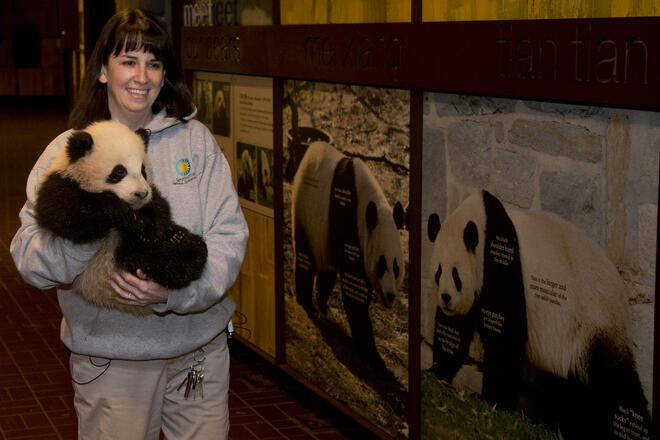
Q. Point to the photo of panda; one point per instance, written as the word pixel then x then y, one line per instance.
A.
pixel 539 231
pixel 203 94
pixel 245 164
pixel 222 108
pixel 346 246
pixel 265 190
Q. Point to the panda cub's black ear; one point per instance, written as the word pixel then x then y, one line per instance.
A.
pixel 79 144
pixel 433 227
pixel 144 133
pixel 471 236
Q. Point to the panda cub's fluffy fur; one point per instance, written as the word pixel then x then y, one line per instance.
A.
pixel 99 187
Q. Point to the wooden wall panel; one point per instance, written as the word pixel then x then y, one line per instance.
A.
pixel 344 11
pixel 7 81
pixel 7 71
pixel 47 80
pixel 254 291
pixel 453 10
pixel 29 81
pixel 42 13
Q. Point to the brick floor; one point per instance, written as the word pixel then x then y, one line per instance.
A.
pixel 35 389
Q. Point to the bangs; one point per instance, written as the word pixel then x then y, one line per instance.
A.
pixel 131 30
pixel 139 35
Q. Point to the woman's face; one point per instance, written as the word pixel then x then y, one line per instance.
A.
pixel 134 80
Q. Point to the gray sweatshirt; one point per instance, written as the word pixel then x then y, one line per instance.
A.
pixel 193 175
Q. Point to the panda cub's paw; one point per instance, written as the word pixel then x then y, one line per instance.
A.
pixel 167 253
pixel 123 217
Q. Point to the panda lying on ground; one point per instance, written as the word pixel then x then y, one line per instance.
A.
pixel 99 187
pixel 550 311
pixel 343 223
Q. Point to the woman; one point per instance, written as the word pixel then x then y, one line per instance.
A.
pixel 127 369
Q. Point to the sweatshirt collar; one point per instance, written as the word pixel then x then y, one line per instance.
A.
pixel 161 121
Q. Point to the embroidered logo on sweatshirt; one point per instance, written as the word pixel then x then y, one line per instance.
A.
pixel 187 170
pixel 183 167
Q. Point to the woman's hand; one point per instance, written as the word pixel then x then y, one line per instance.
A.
pixel 137 290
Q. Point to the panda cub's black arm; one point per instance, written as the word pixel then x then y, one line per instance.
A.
pixel 167 253
pixel 68 211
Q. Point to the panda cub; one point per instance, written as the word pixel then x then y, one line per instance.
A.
pixel 549 309
pixel 99 188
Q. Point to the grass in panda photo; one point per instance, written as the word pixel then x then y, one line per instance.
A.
pixel 98 189
pixel 345 247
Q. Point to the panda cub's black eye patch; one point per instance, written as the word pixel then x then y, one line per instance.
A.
pixel 118 173
pixel 395 268
pixel 438 273
pixel 144 171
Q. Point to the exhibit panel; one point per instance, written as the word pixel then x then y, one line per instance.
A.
pixel 344 11
pixel 238 110
pixel 345 245
pixel 539 259
pixel 448 10
pixel 518 163
pixel 227 12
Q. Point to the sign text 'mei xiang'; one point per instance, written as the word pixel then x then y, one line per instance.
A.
pixel 355 52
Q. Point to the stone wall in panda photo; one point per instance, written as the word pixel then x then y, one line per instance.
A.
pixel 345 242
pixel 538 248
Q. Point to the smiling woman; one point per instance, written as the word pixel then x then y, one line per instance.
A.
pixel 132 77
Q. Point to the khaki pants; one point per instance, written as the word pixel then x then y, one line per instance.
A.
pixel 134 400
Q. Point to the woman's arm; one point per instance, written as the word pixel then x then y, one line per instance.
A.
pixel 43 259
pixel 225 233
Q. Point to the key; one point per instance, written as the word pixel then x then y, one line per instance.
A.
pixel 200 384
pixel 185 379
pixel 191 375
pixel 194 384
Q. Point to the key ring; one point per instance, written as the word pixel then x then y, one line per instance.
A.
pixel 198 357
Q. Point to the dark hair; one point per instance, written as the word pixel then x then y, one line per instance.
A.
pixel 131 29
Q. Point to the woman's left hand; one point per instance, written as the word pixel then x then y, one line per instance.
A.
pixel 137 290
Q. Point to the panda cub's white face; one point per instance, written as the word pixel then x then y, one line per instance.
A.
pixel 108 156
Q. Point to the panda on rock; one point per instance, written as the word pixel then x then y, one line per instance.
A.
pixel 99 187
pixel 342 222
pixel 550 312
